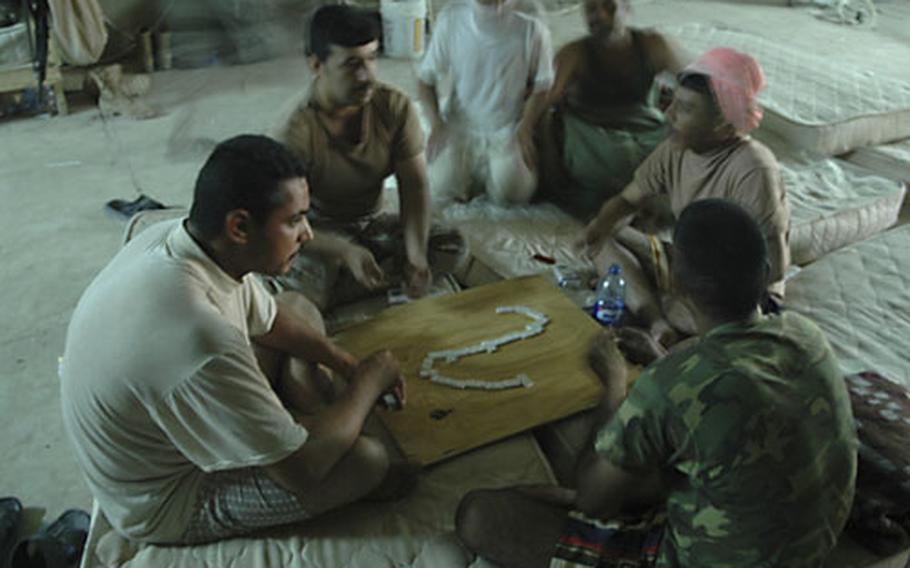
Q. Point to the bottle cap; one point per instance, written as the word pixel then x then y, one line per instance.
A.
pixel 614 269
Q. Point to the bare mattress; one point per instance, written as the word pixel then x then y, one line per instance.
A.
pixel 815 103
pixel 860 297
pixel 834 203
pixel 414 532
pixel 892 160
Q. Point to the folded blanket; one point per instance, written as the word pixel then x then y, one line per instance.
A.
pixel 880 518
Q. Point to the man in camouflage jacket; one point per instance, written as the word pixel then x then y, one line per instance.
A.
pixel 738 450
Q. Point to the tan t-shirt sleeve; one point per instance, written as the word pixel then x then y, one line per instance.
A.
pixel 227 416
pixel 761 192
pixel 261 307
pixel 408 140
pixel 651 177
pixel 279 127
pixel 297 136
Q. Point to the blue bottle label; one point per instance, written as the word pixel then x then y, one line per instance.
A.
pixel 608 313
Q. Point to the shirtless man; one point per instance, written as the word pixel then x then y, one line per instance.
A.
pixel 603 120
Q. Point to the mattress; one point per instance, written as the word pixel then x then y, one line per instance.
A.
pixel 504 240
pixel 860 297
pixel 891 160
pixel 15 48
pixel 414 532
pixel 833 204
pixel 815 103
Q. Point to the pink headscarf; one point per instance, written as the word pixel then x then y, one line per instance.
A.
pixel 735 78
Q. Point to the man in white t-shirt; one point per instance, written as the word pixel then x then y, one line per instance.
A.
pixel 181 435
pixel 500 62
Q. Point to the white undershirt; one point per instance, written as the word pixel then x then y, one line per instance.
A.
pixel 496 56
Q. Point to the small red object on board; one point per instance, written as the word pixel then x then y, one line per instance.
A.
pixel 543 258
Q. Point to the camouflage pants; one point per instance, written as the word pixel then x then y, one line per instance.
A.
pixel 327 284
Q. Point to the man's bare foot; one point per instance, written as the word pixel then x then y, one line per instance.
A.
pixel 553 494
pixel 639 346
pixel 664 333
pixel 679 316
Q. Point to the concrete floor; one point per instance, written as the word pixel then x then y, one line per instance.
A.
pixel 56 174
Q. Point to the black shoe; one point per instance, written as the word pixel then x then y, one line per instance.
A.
pixel 10 521
pixel 59 545
pixel 126 209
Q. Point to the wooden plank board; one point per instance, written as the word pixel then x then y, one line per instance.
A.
pixel 556 361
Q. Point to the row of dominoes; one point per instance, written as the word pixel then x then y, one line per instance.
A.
pixel 521 380
pixel 524 310
pixel 488 346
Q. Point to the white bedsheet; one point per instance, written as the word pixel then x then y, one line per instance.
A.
pixel 414 532
pixel 833 204
pixel 860 297
pixel 814 102
pixel 505 239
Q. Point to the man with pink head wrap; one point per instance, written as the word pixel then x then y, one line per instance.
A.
pixel 709 154
pixel 735 79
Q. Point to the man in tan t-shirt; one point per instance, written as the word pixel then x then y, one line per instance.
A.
pixel 183 390
pixel 353 132
pixel 709 155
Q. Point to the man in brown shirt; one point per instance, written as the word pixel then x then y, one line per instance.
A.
pixel 353 132
pixel 709 155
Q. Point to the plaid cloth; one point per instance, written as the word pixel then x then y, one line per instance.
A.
pixel 240 501
pixel 618 543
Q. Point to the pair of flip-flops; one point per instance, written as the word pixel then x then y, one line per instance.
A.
pixel 126 209
pixel 57 545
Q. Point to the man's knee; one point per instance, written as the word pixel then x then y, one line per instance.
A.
pixel 371 459
pixel 471 518
pixel 448 251
pixel 301 306
pixel 449 178
pixel 516 188
pixel 635 242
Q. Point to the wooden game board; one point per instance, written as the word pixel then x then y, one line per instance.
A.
pixel 439 422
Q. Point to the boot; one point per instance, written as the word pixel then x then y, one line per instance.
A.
pixel 10 522
pixel 59 545
pixel 126 209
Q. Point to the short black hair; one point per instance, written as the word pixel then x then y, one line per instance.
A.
pixel 244 172
pixel 720 258
pixel 346 26
pixel 701 84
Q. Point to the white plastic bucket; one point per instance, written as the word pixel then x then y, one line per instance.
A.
pixel 403 25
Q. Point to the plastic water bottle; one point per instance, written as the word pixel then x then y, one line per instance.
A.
pixel 611 297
